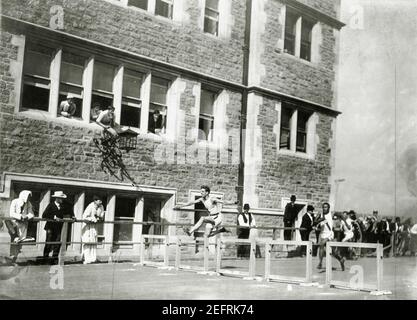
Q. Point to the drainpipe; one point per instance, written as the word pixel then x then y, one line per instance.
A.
pixel 244 108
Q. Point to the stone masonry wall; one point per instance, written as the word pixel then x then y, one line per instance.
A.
pixel 294 76
pixel 183 44
pixel 283 175
pixel 54 148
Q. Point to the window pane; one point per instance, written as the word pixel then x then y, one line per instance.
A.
pixel 159 89
pixel 285 136
pixel 130 116
pixel 132 82
pixel 207 102
pixel 306 31
pixel 213 4
pixel 290 30
pixel 72 68
pixel 163 8
pixel 152 213
pixel 37 63
pixel 302 119
pixel 205 127
pixel 35 97
pixel 210 26
pixel 124 211
pixel 143 4
pixel 103 77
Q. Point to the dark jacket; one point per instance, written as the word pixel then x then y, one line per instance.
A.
pixel 52 210
pixel 152 124
pixel 290 212
pixel 307 223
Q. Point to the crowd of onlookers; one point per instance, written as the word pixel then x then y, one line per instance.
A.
pixel 397 236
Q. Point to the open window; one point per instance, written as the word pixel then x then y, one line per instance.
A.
pixel 103 76
pixel 158 104
pixel 36 77
pixel 211 17
pixel 131 99
pixel 206 117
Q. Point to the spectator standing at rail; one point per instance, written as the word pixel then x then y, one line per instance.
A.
pixel 413 240
pixel 306 226
pixel 395 228
pixel 249 231
pixel 290 214
pixel 93 213
pixel 56 210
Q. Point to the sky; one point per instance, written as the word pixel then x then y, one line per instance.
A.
pixel 376 141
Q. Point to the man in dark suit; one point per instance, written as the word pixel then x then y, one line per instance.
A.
pixel 290 214
pixel 306 226
pixel 56 210
pixel 155 123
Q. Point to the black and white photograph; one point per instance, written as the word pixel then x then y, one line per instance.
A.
pixel 208 150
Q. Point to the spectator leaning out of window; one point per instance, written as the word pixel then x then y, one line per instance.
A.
pixel 67 107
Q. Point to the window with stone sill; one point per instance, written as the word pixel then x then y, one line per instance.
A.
pixel 131 99
pixel 294 125
pixel 36 77
pixel 211 17
pixel 298 33
pixel 158 102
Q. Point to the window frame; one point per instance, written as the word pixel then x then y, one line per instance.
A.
pixel 309 132
pixel 206 16
pixel 299 42
pixel 206 116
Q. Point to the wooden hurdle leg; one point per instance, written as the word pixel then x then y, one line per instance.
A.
pixel 309 262
pixel 63 249
pixel 252 258
pixel 178 254
pixel 142 250
pixel 328 263
pixel 218 254
pixel 166 252
pixel 267 260
pixel 379 267
pixel 206 253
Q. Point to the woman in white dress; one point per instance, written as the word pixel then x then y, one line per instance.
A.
pixel 93 213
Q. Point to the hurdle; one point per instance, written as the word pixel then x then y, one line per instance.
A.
pixel 206 252
pixel 250 275
pixel 303 281
pixel 372 289
pixel 165 244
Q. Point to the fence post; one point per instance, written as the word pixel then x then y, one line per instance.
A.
pixel 267 260
pixel 142 250
pixel 379 266
pixel 63 240
pixel 252 258
pixel 178 254
pixel 166 251
pixel 206 253
pixel 218 254
pixel 328 263
pixel 309 261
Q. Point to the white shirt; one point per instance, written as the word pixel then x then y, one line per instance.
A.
pixel 242 223
pixel 327 227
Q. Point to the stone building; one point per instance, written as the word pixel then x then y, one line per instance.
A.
pixel 245 90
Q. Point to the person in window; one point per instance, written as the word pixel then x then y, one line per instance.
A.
pixel 156 122
pixel 56 210
pixel 93 213
pixel 95 111
pixel 67 107
pixel 106 119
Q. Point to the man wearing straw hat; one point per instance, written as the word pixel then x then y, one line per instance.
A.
pixel 57 211
pixel 68 107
